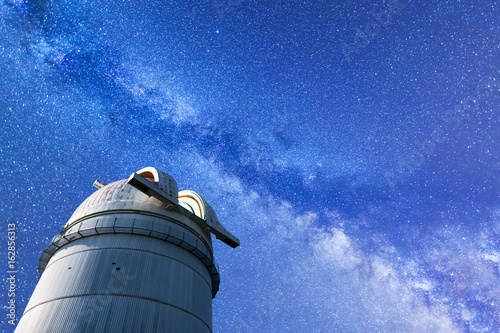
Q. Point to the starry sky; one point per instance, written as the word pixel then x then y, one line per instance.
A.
pixel 352 146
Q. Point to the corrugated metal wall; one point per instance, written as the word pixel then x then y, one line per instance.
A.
pixel 101 271
pixel 109 314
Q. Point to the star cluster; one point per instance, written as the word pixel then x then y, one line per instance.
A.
pixel 351 146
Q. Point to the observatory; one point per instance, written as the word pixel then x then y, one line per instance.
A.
pixel 135 256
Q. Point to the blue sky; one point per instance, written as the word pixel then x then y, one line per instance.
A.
pixel 352 147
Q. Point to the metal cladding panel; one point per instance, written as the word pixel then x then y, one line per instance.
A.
pixel 133 242
pixel 189 242
pixel 110 314
pixel 142 226
pixel 87 227
pixel 41 266
pixel 160 230
pixel 207 261
pixel 130 265
pixel 52 248
pixel 117 194
pixel 61 241
pixel 124 224
pixel 105 224
pixel 135 275
pixel 201 250
pixel 45 256
pixel 73 233
pixel 176 235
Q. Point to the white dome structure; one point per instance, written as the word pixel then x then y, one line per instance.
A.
pixel 135 256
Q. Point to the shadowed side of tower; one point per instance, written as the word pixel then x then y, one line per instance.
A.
pixel 134 257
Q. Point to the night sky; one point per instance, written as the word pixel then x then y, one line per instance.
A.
pixel 352 146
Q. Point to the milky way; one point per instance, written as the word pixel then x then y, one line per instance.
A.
pixel 353 148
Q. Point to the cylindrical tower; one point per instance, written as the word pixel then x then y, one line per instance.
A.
pixel 136 256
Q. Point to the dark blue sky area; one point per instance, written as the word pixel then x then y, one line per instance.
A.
pixel 351 146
